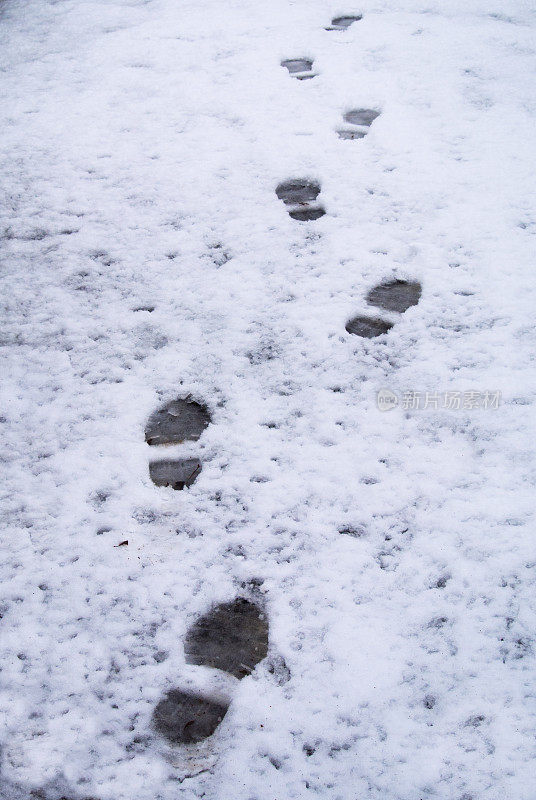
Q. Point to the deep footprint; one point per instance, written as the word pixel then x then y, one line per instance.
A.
pixel 177 473
pixel 299 194
pixel 176 422
pixel 232 637
pixel 362 118
pixel 395 295
pixel 299 68
pixel 344 22
pixel 187 718
pixel 367 327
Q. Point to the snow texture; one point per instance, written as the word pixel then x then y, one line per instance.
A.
pixel 146 258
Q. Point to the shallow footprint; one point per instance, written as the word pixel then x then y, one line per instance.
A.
pixel 395 295
pixel 299 68
pixel 362 118
pixel 345 133
pixel 299 194
pixel 232 637
pixel 367 327
pixel 177 473
pixel 297 191
pixel 344 22
pixel 307 214
pixel 176 422
pixel 186 717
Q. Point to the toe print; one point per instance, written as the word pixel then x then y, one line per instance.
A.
pixel 300 196
pixel 361 116
pixel 300 68
pixel 396 296
pixel 187 718
pixel 232 637
pixel 176 422
pixel 344 22
pixel 361 119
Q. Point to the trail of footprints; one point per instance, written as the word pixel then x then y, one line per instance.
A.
pixel 233 637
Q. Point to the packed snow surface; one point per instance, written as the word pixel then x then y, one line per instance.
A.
pixel 147 259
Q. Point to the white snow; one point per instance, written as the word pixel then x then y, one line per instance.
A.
pixel 141 144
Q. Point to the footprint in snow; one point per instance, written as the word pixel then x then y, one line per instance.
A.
pixel 300 68
pixel 361 119
pixel 232 637
pixel 177 422
pixel 395 296
pixel 300 196
pixel 344 22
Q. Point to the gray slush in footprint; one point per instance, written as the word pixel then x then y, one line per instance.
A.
pixel 187 718
pixel 300 68
pixel 295 65
pixel 348 134
pixel 362 118
pixel 367 327
pixel 299 195
pixel 177 473
pixel 395 295
pixel 344 22
pixel 232 637
pixel 176 422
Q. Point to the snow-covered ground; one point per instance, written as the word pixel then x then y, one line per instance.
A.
pixel 141 145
